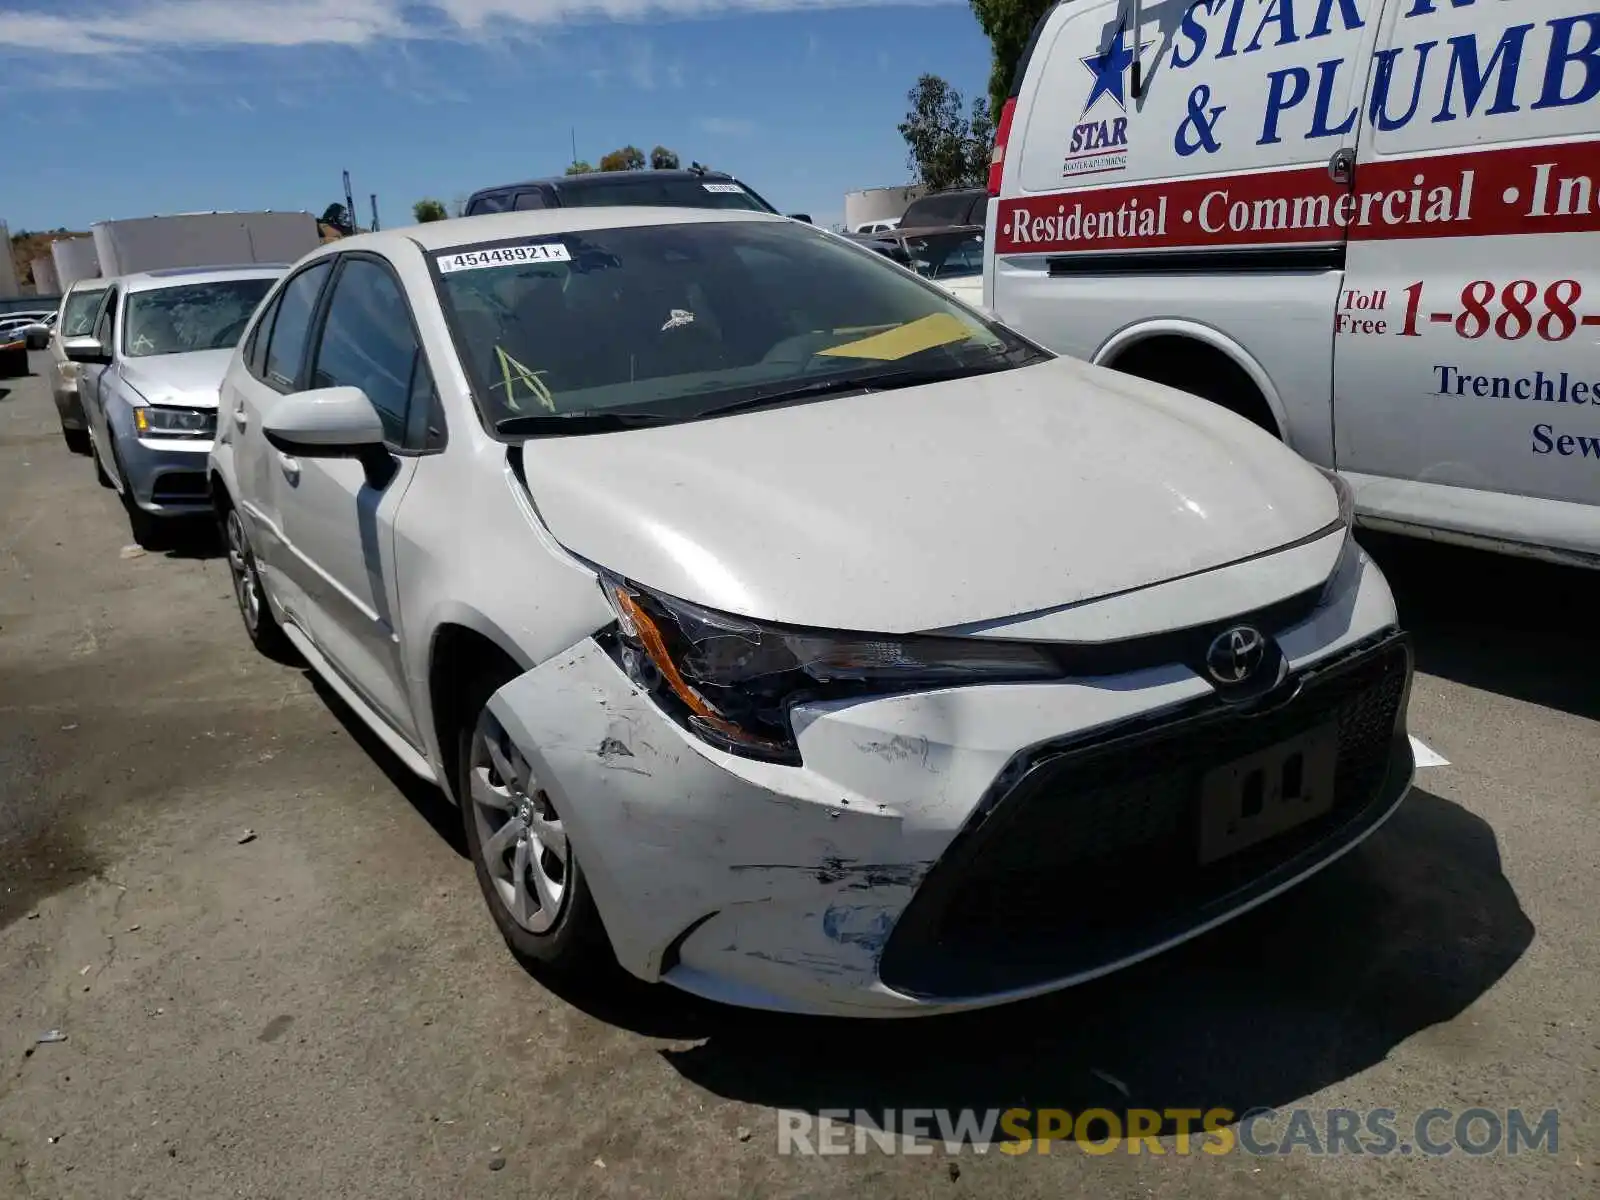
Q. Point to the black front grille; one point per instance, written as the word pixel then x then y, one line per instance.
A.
pixel 1091 854
pixel 179 487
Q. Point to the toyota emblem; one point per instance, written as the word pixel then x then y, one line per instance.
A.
pixel 1235 655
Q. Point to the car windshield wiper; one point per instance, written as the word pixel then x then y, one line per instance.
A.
pixel 602 420
pixel 876 381
pixel 579 423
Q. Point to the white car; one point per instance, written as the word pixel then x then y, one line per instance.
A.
pixel 79 307
pixel 786 629
pixel 148 378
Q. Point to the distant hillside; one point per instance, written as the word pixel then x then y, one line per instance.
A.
pixel 25 247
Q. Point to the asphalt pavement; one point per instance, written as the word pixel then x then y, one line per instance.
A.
pixel 275 977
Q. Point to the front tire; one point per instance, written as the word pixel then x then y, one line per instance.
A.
pixel 101 475
pixel 525 863
pixel 146 527
pixel 266 635
pixel 77 440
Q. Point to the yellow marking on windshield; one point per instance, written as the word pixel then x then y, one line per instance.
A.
pixel 512 373
pixel 935 329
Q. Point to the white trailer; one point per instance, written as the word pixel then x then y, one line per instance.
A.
pixel 75 260
pixel 8 270
pixel 203 240
pixel 44 276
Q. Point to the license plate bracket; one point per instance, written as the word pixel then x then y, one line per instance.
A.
pixel 1269 792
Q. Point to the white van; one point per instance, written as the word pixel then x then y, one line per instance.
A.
pixel 1372 226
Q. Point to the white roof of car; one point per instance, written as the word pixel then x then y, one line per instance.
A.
pixel 498 227
pixel 144 281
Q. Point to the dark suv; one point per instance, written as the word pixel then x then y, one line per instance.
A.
pixel 961 206
pixel 648 189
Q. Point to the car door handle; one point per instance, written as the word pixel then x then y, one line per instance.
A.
pixel 291 467
pixel 240 418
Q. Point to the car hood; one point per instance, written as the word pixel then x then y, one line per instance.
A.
pixel 930 507
pixel 192 380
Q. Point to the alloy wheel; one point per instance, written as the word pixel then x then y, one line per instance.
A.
pixel 520 835
pixel 246 587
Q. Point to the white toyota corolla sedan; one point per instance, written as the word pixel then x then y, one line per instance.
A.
pixel 788 630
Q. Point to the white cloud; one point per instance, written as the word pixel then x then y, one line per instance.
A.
pixel 103 28
pixel 727 126
pixel 177 24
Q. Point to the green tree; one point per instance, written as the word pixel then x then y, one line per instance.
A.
pixel 429 210
pixel 629 158
pixel 662 159
pixel 1007 24
pixel 945 147
pixel 579 168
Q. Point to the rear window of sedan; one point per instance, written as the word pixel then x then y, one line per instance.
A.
pixel 661 193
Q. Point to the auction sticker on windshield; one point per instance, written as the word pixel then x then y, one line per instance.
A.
pixel 733 188
pixel 504 256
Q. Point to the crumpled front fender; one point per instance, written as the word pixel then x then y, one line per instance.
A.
pixel 799 880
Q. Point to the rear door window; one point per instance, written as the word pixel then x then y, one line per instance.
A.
pixel 368 342
pixel 489 202
pixel 78 312
pixel 105 322
pixel 287 345
pixel 662 193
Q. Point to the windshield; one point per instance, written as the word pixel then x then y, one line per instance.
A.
pixel 956 255
pixel 677 320
pixel 191 316
pixel 661 193
pixel 78 318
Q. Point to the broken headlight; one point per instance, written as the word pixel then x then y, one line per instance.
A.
pixel 1348 552
pixel 733 681
pixel 1347 498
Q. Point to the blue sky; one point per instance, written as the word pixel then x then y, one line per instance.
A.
pixel 155 106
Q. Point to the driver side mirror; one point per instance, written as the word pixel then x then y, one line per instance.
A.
pixel 806 217
pixel 335 422
pixel 86 350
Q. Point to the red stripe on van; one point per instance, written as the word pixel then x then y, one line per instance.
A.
pixel 1487 193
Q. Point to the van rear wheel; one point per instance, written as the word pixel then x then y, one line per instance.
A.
pixel 1200 370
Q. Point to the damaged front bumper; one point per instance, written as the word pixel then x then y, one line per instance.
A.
pixel 841 886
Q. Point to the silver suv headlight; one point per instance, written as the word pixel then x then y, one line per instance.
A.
pixel 158 420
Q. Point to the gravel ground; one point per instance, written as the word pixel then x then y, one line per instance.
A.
pixel 276 978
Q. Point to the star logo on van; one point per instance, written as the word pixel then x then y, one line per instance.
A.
pixel 1110 71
